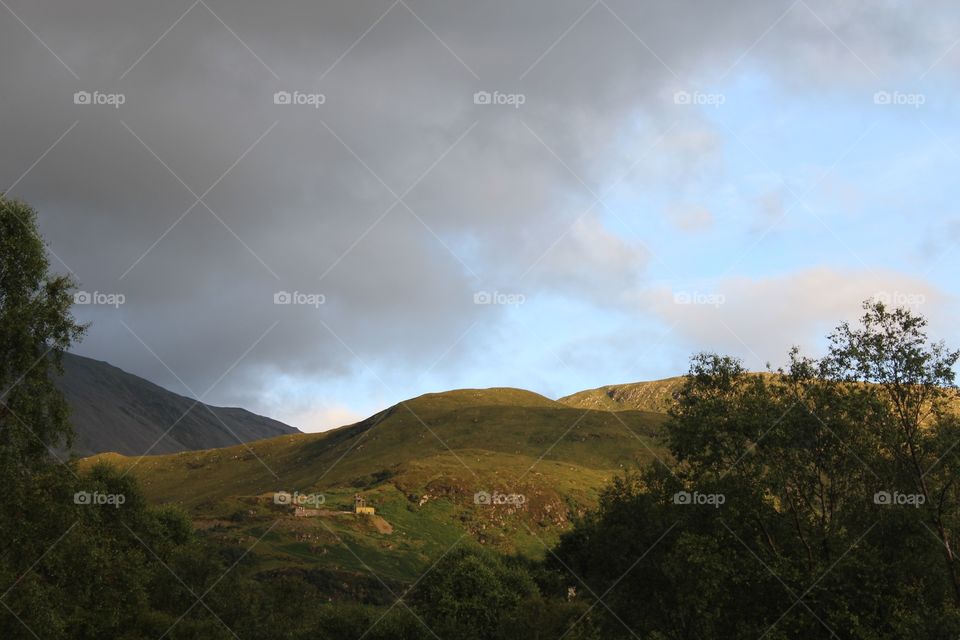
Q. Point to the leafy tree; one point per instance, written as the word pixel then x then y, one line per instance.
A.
pixel 910 383
pixel 802 542
pixel 35 328
pixel 470 594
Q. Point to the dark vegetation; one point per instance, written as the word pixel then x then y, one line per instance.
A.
pixel 821 502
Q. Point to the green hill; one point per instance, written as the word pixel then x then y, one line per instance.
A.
pixel 420 464
pixel 656 395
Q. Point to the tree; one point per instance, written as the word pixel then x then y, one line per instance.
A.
pixel 910 381
pixel 471 594
pixel 36 327
pixel 805 539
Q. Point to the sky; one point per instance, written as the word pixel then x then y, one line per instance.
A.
pixel 314 210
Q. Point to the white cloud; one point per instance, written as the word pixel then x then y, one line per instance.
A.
pixel 322 417
pixel 759 319
pixel 591 262
pixel 691 218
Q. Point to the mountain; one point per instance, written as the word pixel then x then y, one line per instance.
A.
pixel 656 395
pixel 112 410
pixel 421 465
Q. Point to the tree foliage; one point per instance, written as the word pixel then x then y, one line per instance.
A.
pixel 35 328
pixel 838 509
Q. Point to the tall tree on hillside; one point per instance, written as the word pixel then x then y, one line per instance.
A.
pixel 35 328
pixel 820 500
pixel 911 381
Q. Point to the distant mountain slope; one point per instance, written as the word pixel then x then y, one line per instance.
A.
pixel 112 410
pixel 656 395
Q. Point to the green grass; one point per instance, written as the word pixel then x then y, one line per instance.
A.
pixel 419 464
pixel 656 395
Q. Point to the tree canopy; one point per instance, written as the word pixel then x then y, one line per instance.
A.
pixel 819 500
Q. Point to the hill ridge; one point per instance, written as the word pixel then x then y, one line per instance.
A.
pixel 114 410
pixel 651 395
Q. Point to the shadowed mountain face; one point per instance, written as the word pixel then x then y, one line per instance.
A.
pixel 112 410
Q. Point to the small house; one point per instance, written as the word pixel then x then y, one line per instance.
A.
pixel 360 505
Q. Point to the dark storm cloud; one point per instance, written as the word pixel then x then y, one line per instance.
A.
pixel 398 197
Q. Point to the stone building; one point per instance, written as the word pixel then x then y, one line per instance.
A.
pixel 360 505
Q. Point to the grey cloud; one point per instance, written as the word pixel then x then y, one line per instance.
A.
pixel 492 205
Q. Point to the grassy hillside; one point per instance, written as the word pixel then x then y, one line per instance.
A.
pixel 419 464
pixel 656 395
